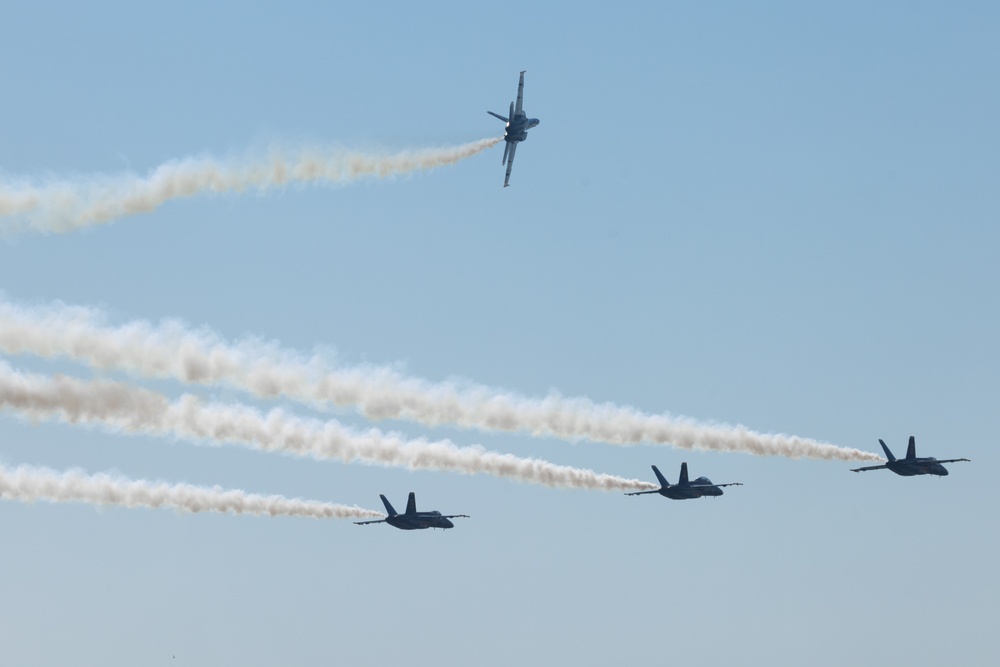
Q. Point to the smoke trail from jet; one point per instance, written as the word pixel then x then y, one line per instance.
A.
pixel 68 205
pixel 172 350
pixel 122 407
pixel 29 484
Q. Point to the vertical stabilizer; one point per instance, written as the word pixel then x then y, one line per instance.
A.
pixel 684 474
pixel 388 506
pixel 663 480
pixel 911 449
pixel 888 454
pixel 411 503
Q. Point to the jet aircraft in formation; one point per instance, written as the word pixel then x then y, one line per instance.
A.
pixel 911 465
pixel 412 519
pixel 516 129
pixel 685 489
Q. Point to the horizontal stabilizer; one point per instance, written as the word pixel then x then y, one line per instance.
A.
pixel 496 115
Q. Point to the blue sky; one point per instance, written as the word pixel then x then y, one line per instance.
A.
pixel 777 215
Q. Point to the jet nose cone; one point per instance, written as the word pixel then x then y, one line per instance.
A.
pixel 448 523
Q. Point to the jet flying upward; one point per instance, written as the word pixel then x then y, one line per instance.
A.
pixel 911 465
pixel 516 130
pixel 412 519
pixel 685 489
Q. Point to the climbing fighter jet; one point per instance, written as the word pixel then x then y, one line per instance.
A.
pixel 516 130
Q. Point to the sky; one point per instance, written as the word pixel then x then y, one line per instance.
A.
pixel 776 215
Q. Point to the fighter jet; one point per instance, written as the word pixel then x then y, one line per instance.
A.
pixel 412 519
pixel 684 489
pixel 911 465
pixel 517 128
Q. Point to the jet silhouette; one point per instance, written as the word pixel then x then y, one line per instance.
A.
pixel 516 130
pixel 412 519
pixel 684 489
pixel 911 465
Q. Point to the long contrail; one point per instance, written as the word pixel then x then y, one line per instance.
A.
pixel 30 484
pixel 66 205
pixel 172 350
pixel 120 406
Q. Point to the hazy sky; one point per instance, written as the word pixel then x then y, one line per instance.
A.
pixel 769 214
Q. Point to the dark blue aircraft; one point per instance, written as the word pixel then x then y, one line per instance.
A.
pixel 518 125
pixel 684 489
pixel 911 465
pixel 412 519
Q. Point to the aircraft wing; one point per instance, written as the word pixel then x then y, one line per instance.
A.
pixel 362 523
pixel 868 468
pixel 639 493
pixel 520 94
pixel 510 162
pixel 730 484
pixel 456 516
pixel 953 460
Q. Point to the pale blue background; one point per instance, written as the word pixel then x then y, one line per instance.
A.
pixel 777 214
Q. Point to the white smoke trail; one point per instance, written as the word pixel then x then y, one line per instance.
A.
pixel 171 350
pixel 29 484
pixel 120 406
pixel 69 205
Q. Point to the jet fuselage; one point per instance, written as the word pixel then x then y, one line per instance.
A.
pixel 517 128
pixel 419 521
pixel 699 488
pixel 921 466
